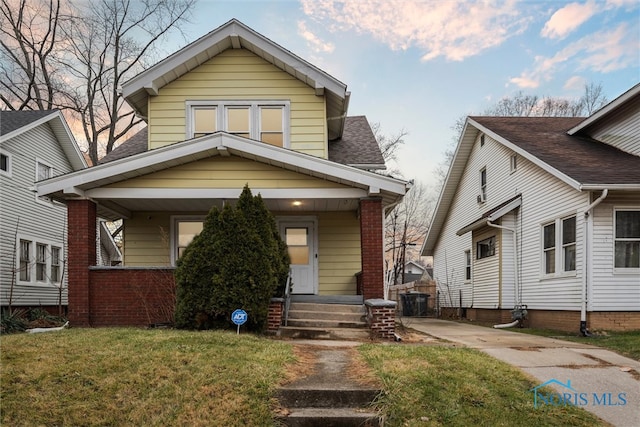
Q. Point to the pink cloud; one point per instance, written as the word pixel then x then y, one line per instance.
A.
pixel 568 18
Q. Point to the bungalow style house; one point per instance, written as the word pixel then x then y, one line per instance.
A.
pixel 34 145
pixel 230 109
pixel 543 214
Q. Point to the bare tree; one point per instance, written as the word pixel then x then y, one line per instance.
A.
pixel 80 58
pixel 405 229
pixel 389 145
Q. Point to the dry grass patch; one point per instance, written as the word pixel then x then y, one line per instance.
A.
pixel 140 377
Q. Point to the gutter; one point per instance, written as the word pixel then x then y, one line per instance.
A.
pixel 586 277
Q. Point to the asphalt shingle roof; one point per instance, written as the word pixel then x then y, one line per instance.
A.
pixel 14 120
pixel 584 159
pixel 358 145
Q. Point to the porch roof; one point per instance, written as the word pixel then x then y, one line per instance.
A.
pixel 492 215
pixel 121 202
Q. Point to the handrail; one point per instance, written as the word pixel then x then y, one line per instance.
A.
pixel 287 298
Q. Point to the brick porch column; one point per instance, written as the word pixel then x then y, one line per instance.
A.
pixel 81 254
pixel 371 243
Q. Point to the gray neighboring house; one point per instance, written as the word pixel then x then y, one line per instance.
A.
pixel 543 212
pixel 34 145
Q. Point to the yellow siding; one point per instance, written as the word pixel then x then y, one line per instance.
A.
pixel 237 74
pixel 146 243
pixel 146 240
pixel 225 172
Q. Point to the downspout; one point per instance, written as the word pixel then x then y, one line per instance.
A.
pixel 517 302
pixel 586 257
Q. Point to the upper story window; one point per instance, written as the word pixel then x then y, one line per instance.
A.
pixel 5 163
pixel 265 121
pixel 482 197
pixel 627 238
pixel 43 171
pixel 559 245
pixel 514 163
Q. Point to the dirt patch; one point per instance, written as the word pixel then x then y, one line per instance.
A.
pixel 359 371
pixel 526 348
pixel 305 363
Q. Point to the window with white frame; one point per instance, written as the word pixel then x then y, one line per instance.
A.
pixel 486 248
pixel 483 185
pixel 39 262
pixel 467 265
pixel 184 230
pixel 43 171
pixel 627 238
pixel 5 163
pixel 513 163
pixel 265 121
pixel 559 246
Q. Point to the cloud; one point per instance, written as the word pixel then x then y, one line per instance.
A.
pixel 568 18
pixel 314 42
pixel 575 83
pixel 454 30
pixel 602 52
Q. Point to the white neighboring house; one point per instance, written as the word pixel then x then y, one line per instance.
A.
pixel 544 212
pixel 34 145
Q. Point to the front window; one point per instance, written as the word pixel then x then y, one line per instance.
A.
pixel 185 229
pixel 549 248
pixel 627 239
pixel 486 248
pixel 258 120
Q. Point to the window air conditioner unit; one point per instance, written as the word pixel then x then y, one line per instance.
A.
pixel 481 198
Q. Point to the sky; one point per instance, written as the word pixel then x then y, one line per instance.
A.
pixel 418 66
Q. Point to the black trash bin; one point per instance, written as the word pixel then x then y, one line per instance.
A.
pixel 414 304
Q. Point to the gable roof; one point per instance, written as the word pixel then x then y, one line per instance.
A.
pixel 626 99
pixel 581 162
pixel 357 147
pixel 15 123
pixel 236 35
pixel 88 183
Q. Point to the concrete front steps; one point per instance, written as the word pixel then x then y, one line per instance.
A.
pixel 326 321
pixel 328 397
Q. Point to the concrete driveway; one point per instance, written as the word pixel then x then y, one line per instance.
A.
pixel 598 380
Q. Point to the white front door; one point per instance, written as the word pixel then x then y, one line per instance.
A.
pixel 300 237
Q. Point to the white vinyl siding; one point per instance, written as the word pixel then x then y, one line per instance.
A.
pixel 613 288
pixel 23 216
pixel 486 278
pixel 624 133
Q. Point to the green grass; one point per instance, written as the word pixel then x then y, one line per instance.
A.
pixel 625 343
pixel 139 377
pixel 130 377
pixel 444 386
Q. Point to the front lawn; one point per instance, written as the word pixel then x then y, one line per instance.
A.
pixel 121 376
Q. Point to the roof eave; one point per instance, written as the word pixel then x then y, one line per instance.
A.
pixel 602 112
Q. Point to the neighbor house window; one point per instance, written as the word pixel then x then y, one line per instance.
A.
pixel 627 238
pixel 25 260
pixel 41 262
pixel 486 248
pixel 43 171
pixel 483 186
pixel 559 245
pixel 514 163
pixel 265 121
pixel 5 164
pixel 467 265
pixel 55 264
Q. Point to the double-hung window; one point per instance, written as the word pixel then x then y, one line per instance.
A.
pixel 483 186
pixel 184 230
pixel 627 238
pixel 25 260
pixel 43 171
pixel 467 265
pixel 559 246
pixel 39 262
pixel 265 121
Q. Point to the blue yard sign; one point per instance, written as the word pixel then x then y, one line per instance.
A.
pixel 239 317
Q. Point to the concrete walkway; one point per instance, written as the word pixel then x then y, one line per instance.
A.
pixel 600 380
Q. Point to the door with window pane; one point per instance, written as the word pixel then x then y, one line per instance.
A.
pixel 300 240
